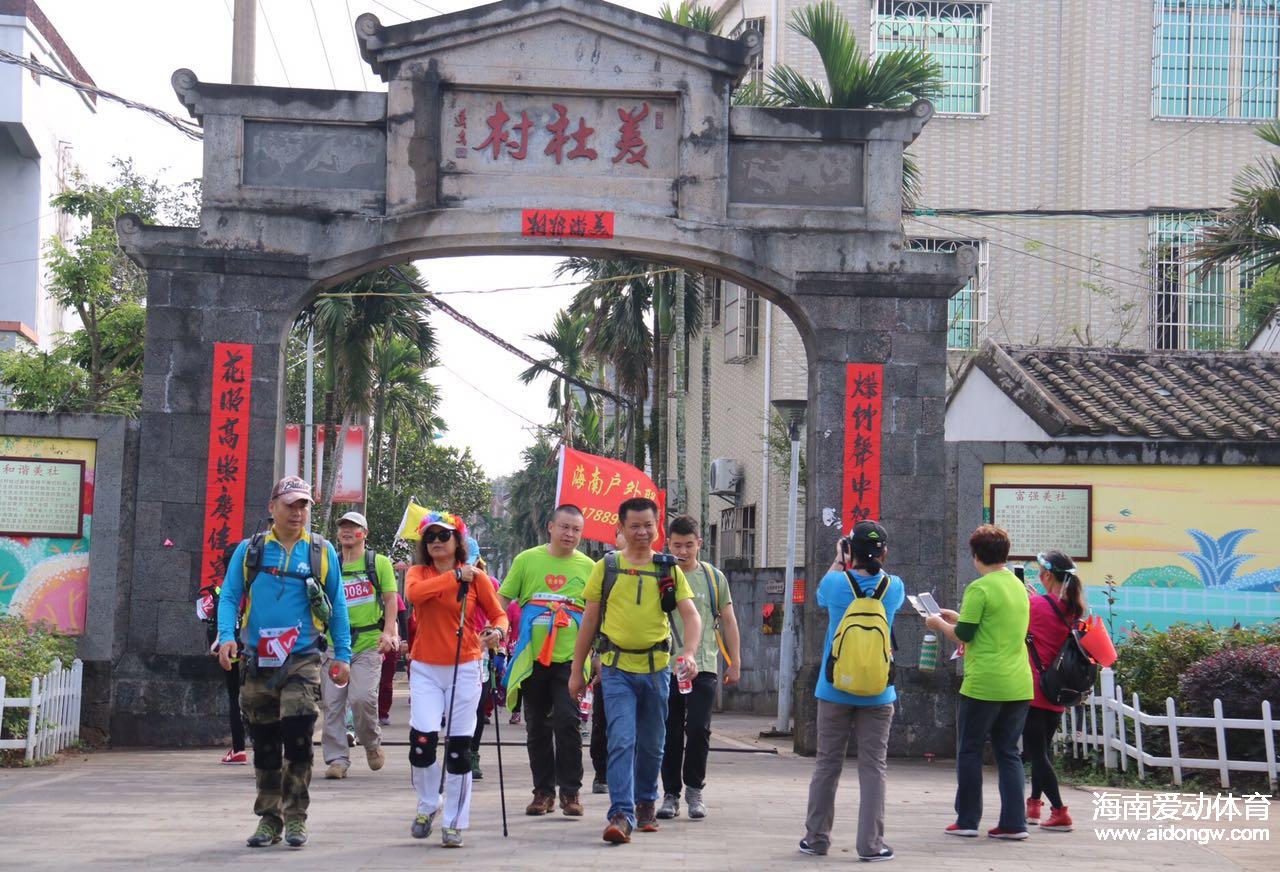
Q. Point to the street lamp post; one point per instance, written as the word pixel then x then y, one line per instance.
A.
pixel 793 412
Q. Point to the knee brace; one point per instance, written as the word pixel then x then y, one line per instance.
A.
pixel 457 755
pixel 266 745
pixel 422 748
pixel 296 732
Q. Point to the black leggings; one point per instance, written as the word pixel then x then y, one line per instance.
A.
pixel 1037 743
pixel 232 677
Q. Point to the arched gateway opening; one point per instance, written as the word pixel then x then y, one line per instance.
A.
pixel 529 127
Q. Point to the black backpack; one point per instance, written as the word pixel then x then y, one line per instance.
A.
pixel 1069 679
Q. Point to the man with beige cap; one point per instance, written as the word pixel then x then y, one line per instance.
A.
pixel 369 586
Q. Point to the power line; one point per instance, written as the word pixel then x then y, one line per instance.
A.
pixel 392 11
pixel 275 45
pixel 323 48
pixel 490 398
pixel 360 65
pixel 186 127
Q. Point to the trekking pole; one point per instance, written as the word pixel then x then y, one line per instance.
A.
pixel 447 721
pixel 497 738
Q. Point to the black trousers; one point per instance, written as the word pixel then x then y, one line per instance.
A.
pixel 1037 743
pixel 551 724
pixel 486 694
pixel 236 722
pixel 688 734
pixel 599 738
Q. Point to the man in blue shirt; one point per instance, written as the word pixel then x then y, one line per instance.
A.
pixel 859 560
pixel 282 636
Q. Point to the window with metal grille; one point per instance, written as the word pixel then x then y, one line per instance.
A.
pixel 741 324
pixel 756 76
pixel 1189 310
pixel 738 534
pixel 967 310
pixel 715 292
pixel 1215 59
pixel 957 35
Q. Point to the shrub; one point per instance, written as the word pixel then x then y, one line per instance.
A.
pixel 1242 678
pixel 27 651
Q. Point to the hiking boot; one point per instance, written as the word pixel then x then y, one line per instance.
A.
pixel 1034 807
pixel 1059 821
pixel 543 803
pixel 646 817
pixel 451 838
pixel 267 833
pixel 235 758
pixel 598 786
pixel 670 806
pixel 375 756
pixel 697 808
pixel 476 774
pixel 422 825
pixel 619 830
pixel 295 833
pixel 569 804
pixel 338 769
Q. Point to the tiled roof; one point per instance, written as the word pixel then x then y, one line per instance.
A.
pixel 1193 395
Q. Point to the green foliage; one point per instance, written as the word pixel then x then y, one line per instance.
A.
pixel 533 495
pixel 26 651
pixel 1151 662
pixel 1163 576
pixel 1248 230
pixel 691 15
pixel 780 450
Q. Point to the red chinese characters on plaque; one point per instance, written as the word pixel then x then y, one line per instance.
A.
pixel 863 422
pixel 570 223
pixel 228 454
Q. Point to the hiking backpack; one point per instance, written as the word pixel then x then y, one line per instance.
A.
pixel 319 567
pixel 861 658
pixel 1068 680
pixel 371 572
pixel 603 644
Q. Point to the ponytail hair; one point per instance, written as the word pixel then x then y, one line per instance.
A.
pixel 1063 569
pixel 865 555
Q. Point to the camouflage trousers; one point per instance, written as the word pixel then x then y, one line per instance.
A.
pixel 280 706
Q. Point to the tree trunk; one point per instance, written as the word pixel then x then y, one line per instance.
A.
pixel 379 412
pixel 705 506
pixel 566 402
pixel 617 416
pixel 678 499
pixel 395 450
pixel 328 468
pixel 657 391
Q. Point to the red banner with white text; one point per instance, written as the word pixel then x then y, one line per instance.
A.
pixel 863 421
pixel 228 454
pixel 598 485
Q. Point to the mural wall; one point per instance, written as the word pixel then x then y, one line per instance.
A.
pixel 46 519
pixel 1173 543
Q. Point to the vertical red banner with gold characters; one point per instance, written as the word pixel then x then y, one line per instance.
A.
pixel 863 422
pixel 598 485
pixel 228 455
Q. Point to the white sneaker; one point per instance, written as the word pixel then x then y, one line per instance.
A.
pixel 670 807
pixel 697 808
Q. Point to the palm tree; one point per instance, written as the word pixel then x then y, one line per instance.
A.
pixel 1248 231
pixel 401 393
pixel 692 16
pixel 567 341
pixel 533 493
pixel 891 80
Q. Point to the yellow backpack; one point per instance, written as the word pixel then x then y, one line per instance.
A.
pixel 861 658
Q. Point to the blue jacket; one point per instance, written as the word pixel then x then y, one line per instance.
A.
pixel 835 595
pixel 281 601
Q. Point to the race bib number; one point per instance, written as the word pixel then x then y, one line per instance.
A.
pixel 204 607
pixel 275 644
pixel 358 593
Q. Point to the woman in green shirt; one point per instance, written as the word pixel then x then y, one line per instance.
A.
pixel 997 686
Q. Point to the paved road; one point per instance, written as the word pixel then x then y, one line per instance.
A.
pixel 180 810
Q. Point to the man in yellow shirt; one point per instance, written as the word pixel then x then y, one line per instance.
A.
pixel 629 596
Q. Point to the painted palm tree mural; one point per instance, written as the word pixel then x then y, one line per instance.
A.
pixel 1216 563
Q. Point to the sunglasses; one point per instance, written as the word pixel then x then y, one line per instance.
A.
pixel 443 536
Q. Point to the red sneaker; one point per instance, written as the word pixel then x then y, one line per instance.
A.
pixel 1059 820
pixel 1007 835
pixel 1034 806
pixel 957 830
pixel 235 758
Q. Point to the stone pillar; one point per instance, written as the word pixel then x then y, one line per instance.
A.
pixel 901 323
pixel 167 690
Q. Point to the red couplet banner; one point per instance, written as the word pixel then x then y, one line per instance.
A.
pixel 863 416
pixel 228 453
pixel 598 485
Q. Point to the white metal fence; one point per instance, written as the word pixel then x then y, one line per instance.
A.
pixel 53 716
pixel 1107 722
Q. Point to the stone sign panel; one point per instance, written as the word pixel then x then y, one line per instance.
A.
pixel 40 497
pixel 785 173
pixel 279 154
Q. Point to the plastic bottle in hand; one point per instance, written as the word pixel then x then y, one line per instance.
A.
pixel 684 684
pixel 333 675
pixel 584 704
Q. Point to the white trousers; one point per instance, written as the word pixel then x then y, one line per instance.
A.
pixel 429 712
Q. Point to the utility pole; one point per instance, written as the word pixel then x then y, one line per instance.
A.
pixel 243 40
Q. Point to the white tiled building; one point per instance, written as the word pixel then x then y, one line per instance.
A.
pixel 1078 145
pixel 39 121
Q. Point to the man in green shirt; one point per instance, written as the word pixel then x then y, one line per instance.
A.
pixel 689 714
pixel 548 582
pixel 997 686
pixel 372 607
pixel 629 595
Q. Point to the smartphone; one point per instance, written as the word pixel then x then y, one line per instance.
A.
pixel 1020 571
pixel 929 604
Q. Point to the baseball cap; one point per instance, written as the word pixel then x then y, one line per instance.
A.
pixel 354 518
pixel 291 489
pixel 870 533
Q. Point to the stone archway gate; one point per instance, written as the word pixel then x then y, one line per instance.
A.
pixel 525 126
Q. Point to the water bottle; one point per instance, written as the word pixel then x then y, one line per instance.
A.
pixel 584 704
pixel 685 684
pixel 929 653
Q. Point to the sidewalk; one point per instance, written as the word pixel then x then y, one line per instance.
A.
pixel 181 810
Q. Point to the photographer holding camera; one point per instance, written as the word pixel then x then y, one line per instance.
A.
pixel 628 598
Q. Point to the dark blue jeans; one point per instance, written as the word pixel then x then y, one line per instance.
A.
pixel 977 719
pixel 637 707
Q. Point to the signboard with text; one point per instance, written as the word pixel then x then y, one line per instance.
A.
pixel 598 485
pixel 862 426
pixel 1041 517
pixel 41 497
pixel 228 455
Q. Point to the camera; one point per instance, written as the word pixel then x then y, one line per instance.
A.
pixel 664 561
